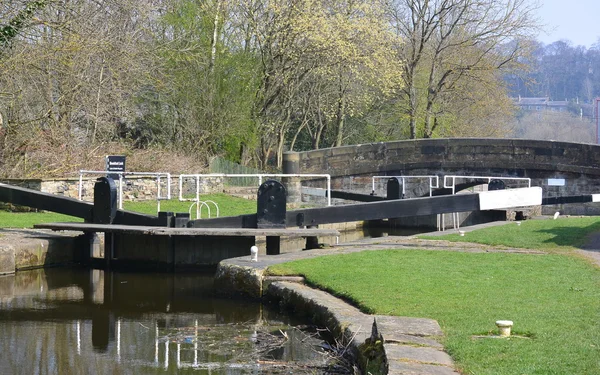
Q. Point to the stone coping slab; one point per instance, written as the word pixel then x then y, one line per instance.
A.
pixel 164 231
pixel 30 248
pixel 410 345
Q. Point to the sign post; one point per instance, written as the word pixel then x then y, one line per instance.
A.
pixel 114 163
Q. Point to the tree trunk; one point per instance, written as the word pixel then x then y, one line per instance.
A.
pixel 340 119
pixel 213 47
pixel 412 110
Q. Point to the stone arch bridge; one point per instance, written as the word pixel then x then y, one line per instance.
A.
pixel 560 168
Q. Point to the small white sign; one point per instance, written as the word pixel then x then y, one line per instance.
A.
pixel 556 182
pixel 509 198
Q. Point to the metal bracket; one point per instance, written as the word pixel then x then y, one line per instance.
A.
pixel 271 201
pixel 105 201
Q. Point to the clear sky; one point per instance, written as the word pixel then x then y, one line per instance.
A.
pixel 574 20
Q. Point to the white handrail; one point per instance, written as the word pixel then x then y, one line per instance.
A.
pixel 489 178
pixel 455 222
pixel 216 206
pixel 199 205
pixel 238 175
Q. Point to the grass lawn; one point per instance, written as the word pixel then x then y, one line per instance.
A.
pixel 228 206
pixel 562 234
pixel 27 219
pixel 553 299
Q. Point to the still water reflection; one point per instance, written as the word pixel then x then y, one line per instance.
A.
pixel 77 321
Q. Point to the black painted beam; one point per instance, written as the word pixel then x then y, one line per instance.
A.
pixel 384 210
pixel 355 212
pixel 68 206
pixel 457 188
pixel 339 194
pixel 567 199
pixel 241 221
pixel 45 201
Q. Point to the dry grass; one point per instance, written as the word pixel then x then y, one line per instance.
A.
pixel 51 160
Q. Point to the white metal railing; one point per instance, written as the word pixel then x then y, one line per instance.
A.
pixel 199 204
pixel 157 175
pixel 488 178
pixel 260 176
pixel 403 178
pixel 452 185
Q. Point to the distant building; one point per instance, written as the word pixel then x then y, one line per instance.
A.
pixel 581 110
pixel 541 104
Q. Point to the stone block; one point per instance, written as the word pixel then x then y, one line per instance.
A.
pixel 407 368
pixel 7 259
pixel 409 353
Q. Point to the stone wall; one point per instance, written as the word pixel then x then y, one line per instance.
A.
pixel 352 167
pixel 134 188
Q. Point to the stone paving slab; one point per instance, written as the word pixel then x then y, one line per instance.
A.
pixel 409 326
pixel 420 354
pixel 392 337
pixel 406 368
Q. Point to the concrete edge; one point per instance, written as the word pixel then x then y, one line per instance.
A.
pixel 22 249
pixel 378 344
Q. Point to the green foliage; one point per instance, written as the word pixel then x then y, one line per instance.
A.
pixel 202 98
pixel 562 234
pixel 553 299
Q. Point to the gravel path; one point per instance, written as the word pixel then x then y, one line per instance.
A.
pixel 591 249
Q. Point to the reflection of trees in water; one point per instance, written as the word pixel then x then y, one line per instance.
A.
pixel 86 322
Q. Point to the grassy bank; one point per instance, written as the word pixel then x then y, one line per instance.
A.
pixel 553 299
pixel 561 235
pixel 228 206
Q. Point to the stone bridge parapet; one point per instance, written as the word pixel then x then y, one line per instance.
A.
pixel 352 167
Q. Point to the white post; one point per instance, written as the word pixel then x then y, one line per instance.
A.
pixel 328 190
pixel 198 197
pixel 158 197
pixel 167 353
pixel 80 187
pixel 156 344
pixel 168 186
pixel 430 186
pixel 119 340
pixel 120 191
pixel 196 343
pixel 78 337
pixel 180 187
pixel 403 189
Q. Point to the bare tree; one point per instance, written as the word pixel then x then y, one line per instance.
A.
pixel 447 41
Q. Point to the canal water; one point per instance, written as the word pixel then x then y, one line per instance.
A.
pixel 81 321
